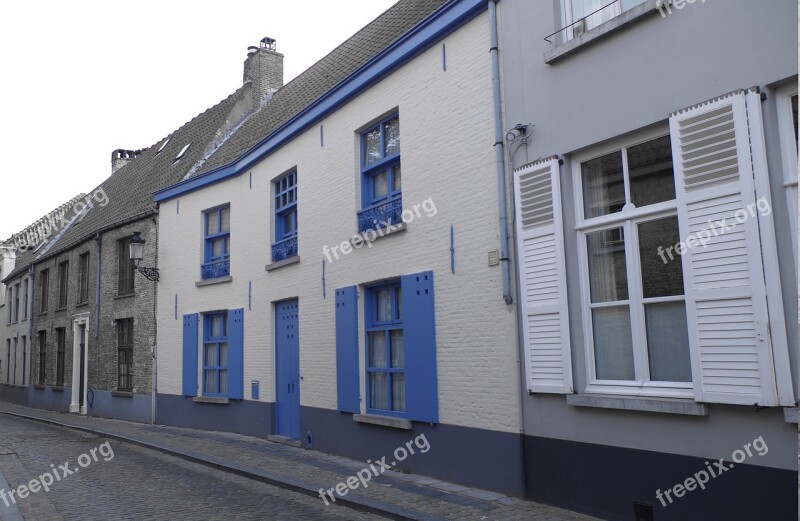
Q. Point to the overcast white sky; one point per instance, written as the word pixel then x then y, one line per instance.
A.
pixel 80 79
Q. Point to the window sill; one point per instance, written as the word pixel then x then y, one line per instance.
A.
pixel 566 48
pixel 82 304
pixel 383 421
pixel 282 263
pixel 122 394
pixel 58 310
pixel 209 399
pixel 660 405
pixel 211 282
pixel 57 388
pixel 125 295
pixel 39 386
pixel 790 414
pixel 42 313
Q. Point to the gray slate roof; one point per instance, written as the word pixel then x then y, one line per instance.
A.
pixel 322 76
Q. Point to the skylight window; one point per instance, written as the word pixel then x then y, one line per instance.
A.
pixel 162 146
pixel 183 151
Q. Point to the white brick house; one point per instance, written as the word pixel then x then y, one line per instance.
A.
pixel 377 342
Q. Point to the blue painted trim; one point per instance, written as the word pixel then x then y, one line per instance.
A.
pixel 439 24
pixel 250 295
pixel 178 207
pixel 176 306
pixel 323 278
pixel 444 57
pixel 321 136
pixel 452 250
pixel 251 180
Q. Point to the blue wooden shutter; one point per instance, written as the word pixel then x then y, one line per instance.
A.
pixel 347 381
pixel 419 332
pixel 236 354
pixel 190 355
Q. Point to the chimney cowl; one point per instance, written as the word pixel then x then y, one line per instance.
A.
pixel 121 157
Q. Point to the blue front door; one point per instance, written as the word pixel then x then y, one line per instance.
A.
pixel 287 365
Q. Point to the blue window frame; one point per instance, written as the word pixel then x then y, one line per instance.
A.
pixel 285 245
pixel 381 177
pixel 386 370
pixel 217 230
pixel 215 354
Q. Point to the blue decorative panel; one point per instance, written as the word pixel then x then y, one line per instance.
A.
pixel 381 215
pixel 284 249
pixel 214 270
pixel 236 353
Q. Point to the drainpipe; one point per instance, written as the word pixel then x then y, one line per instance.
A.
pixel 98 243
pixel 499 151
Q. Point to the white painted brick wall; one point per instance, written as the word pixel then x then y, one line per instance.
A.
pixel 447 155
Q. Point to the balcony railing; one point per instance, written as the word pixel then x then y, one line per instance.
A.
pixel 284 249
pixel 215 270
pixel 380 215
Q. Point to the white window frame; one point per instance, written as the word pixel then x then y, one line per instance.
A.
pixel 783 97
pixel 627 219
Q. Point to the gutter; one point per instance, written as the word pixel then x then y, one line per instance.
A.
pixel 499 151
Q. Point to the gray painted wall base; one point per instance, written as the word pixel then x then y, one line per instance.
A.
pixel 240 416
pixel 135 408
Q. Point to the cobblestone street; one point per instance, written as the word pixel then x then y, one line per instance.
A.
pixel 138 483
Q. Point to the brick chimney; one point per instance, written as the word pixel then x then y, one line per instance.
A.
pixel 263 69
pixel 120 158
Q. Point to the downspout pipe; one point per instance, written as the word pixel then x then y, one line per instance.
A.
pixel 499 151
pixel 98 240
pixel 31 294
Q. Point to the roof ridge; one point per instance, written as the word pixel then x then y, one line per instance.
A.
pixel 49 216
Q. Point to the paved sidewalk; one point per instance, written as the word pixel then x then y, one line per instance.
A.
pixel 394 495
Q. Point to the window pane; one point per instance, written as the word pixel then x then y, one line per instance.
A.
pixel 397 178
pixel 650 172
pixel 668 342
pixel 398 350
pixel 391 135
pixel 608 278
pixel 377 349
pixel 377 391
pixel 379 185
pixel 372 146
pixel 211 355
pixel 662 276
pixel 217 326
pixel 210 379
pixel 582 8
pixel 398 392
pixel 613 346
pixel 212 223
pixel 383 299
pixel 603 185
pixel 794 116
pixel 223 354
pixel 226 219
pixel 288 223
pixel 217 248
pixel 399 303
pixel 223 382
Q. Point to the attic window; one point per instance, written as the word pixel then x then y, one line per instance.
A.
pixel 183 151
pixel 162 146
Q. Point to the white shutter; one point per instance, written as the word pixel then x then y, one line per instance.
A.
pixel 726 300
pixel 542 276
